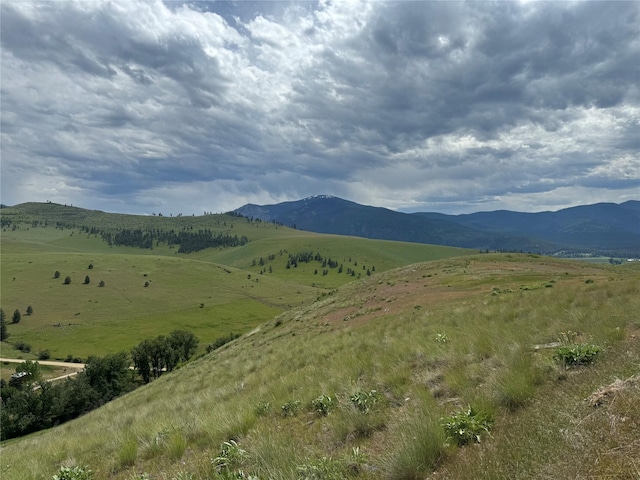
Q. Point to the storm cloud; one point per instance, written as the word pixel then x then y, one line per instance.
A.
pixel 145 106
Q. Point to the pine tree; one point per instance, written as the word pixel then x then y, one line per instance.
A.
pixel 3 326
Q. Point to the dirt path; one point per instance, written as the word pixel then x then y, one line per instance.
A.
pixel 79 366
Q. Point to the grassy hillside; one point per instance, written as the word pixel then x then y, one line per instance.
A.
pixel 431 339
pixel 148 292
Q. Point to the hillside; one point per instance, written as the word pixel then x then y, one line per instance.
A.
pixel 149 291
pixel 356 384
pixel 605 229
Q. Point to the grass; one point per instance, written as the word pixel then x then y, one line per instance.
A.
pixel 431 338
pixel 212 293
pixel 488 361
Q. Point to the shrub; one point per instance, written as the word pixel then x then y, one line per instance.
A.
pixel 101 284
pixel 22 346
pixel 219 342
pixel 576 354
pixel 67 280
pixel 467 426
pixel 56 274
pixel 263 408
pixel 229 458
pixel 44 355
pixel 364 401
pixel 29 310
pixel 290 408
pixel 73 473
pixel 87 280
pixel 322 404
pixel 442 338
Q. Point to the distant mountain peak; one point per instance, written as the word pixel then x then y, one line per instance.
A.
pixel 315 197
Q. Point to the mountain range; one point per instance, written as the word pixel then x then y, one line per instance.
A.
pixel 600 229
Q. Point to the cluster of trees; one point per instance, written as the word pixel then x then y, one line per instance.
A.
pixel 15 318
pixel 188 240
pixel 30 404
pixel 152 357
pixel 327 263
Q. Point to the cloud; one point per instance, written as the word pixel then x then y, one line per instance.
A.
pixel 140 105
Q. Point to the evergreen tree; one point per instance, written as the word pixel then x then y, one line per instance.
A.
pixel 87 280
pixel 29 310
pixel 3 327
pixel 16 316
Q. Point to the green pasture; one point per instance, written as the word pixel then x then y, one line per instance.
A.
pixel 431 339
pixel 82 319
pixel 149 292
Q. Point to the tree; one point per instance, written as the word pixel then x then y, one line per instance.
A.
pixel 67 280
pixel 90 266
pixel 108 375
pixel 29 310
pixel 141 356
pixel 3 327
pixel 87 280
pixel 101 284
pixel 16 316
pixel 184 343
pixel 56 274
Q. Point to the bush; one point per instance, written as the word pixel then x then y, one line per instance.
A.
pixel 290 408
pixel 365 401
pixel 87 280
pixel 67 280
pixel 219 342
pixel 22 346
pixel 230 457
pixel 56 274
pixel 73 473
pixel 467 426
pixel 263 409
pixel 322 404
pixel 44 355
pixel 29 310
pixel 576 354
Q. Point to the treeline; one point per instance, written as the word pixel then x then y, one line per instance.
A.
pixel 327 263
pixel 152 357
pixel 30 404
pixel 188 240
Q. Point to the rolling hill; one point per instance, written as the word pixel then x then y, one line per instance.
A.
pixel 149 291
pixel 358 384
pixel 604 229
pixel 356 373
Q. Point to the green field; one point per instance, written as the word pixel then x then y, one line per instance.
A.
pixel 212 293
pixel 400 352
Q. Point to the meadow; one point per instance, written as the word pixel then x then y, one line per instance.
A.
pixel 136 293
pixel 360 383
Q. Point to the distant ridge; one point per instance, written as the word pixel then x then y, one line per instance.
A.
pixel 602 228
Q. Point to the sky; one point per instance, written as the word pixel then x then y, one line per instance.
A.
pixel 184 107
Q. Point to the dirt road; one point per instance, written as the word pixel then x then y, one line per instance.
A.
pixel 78 366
